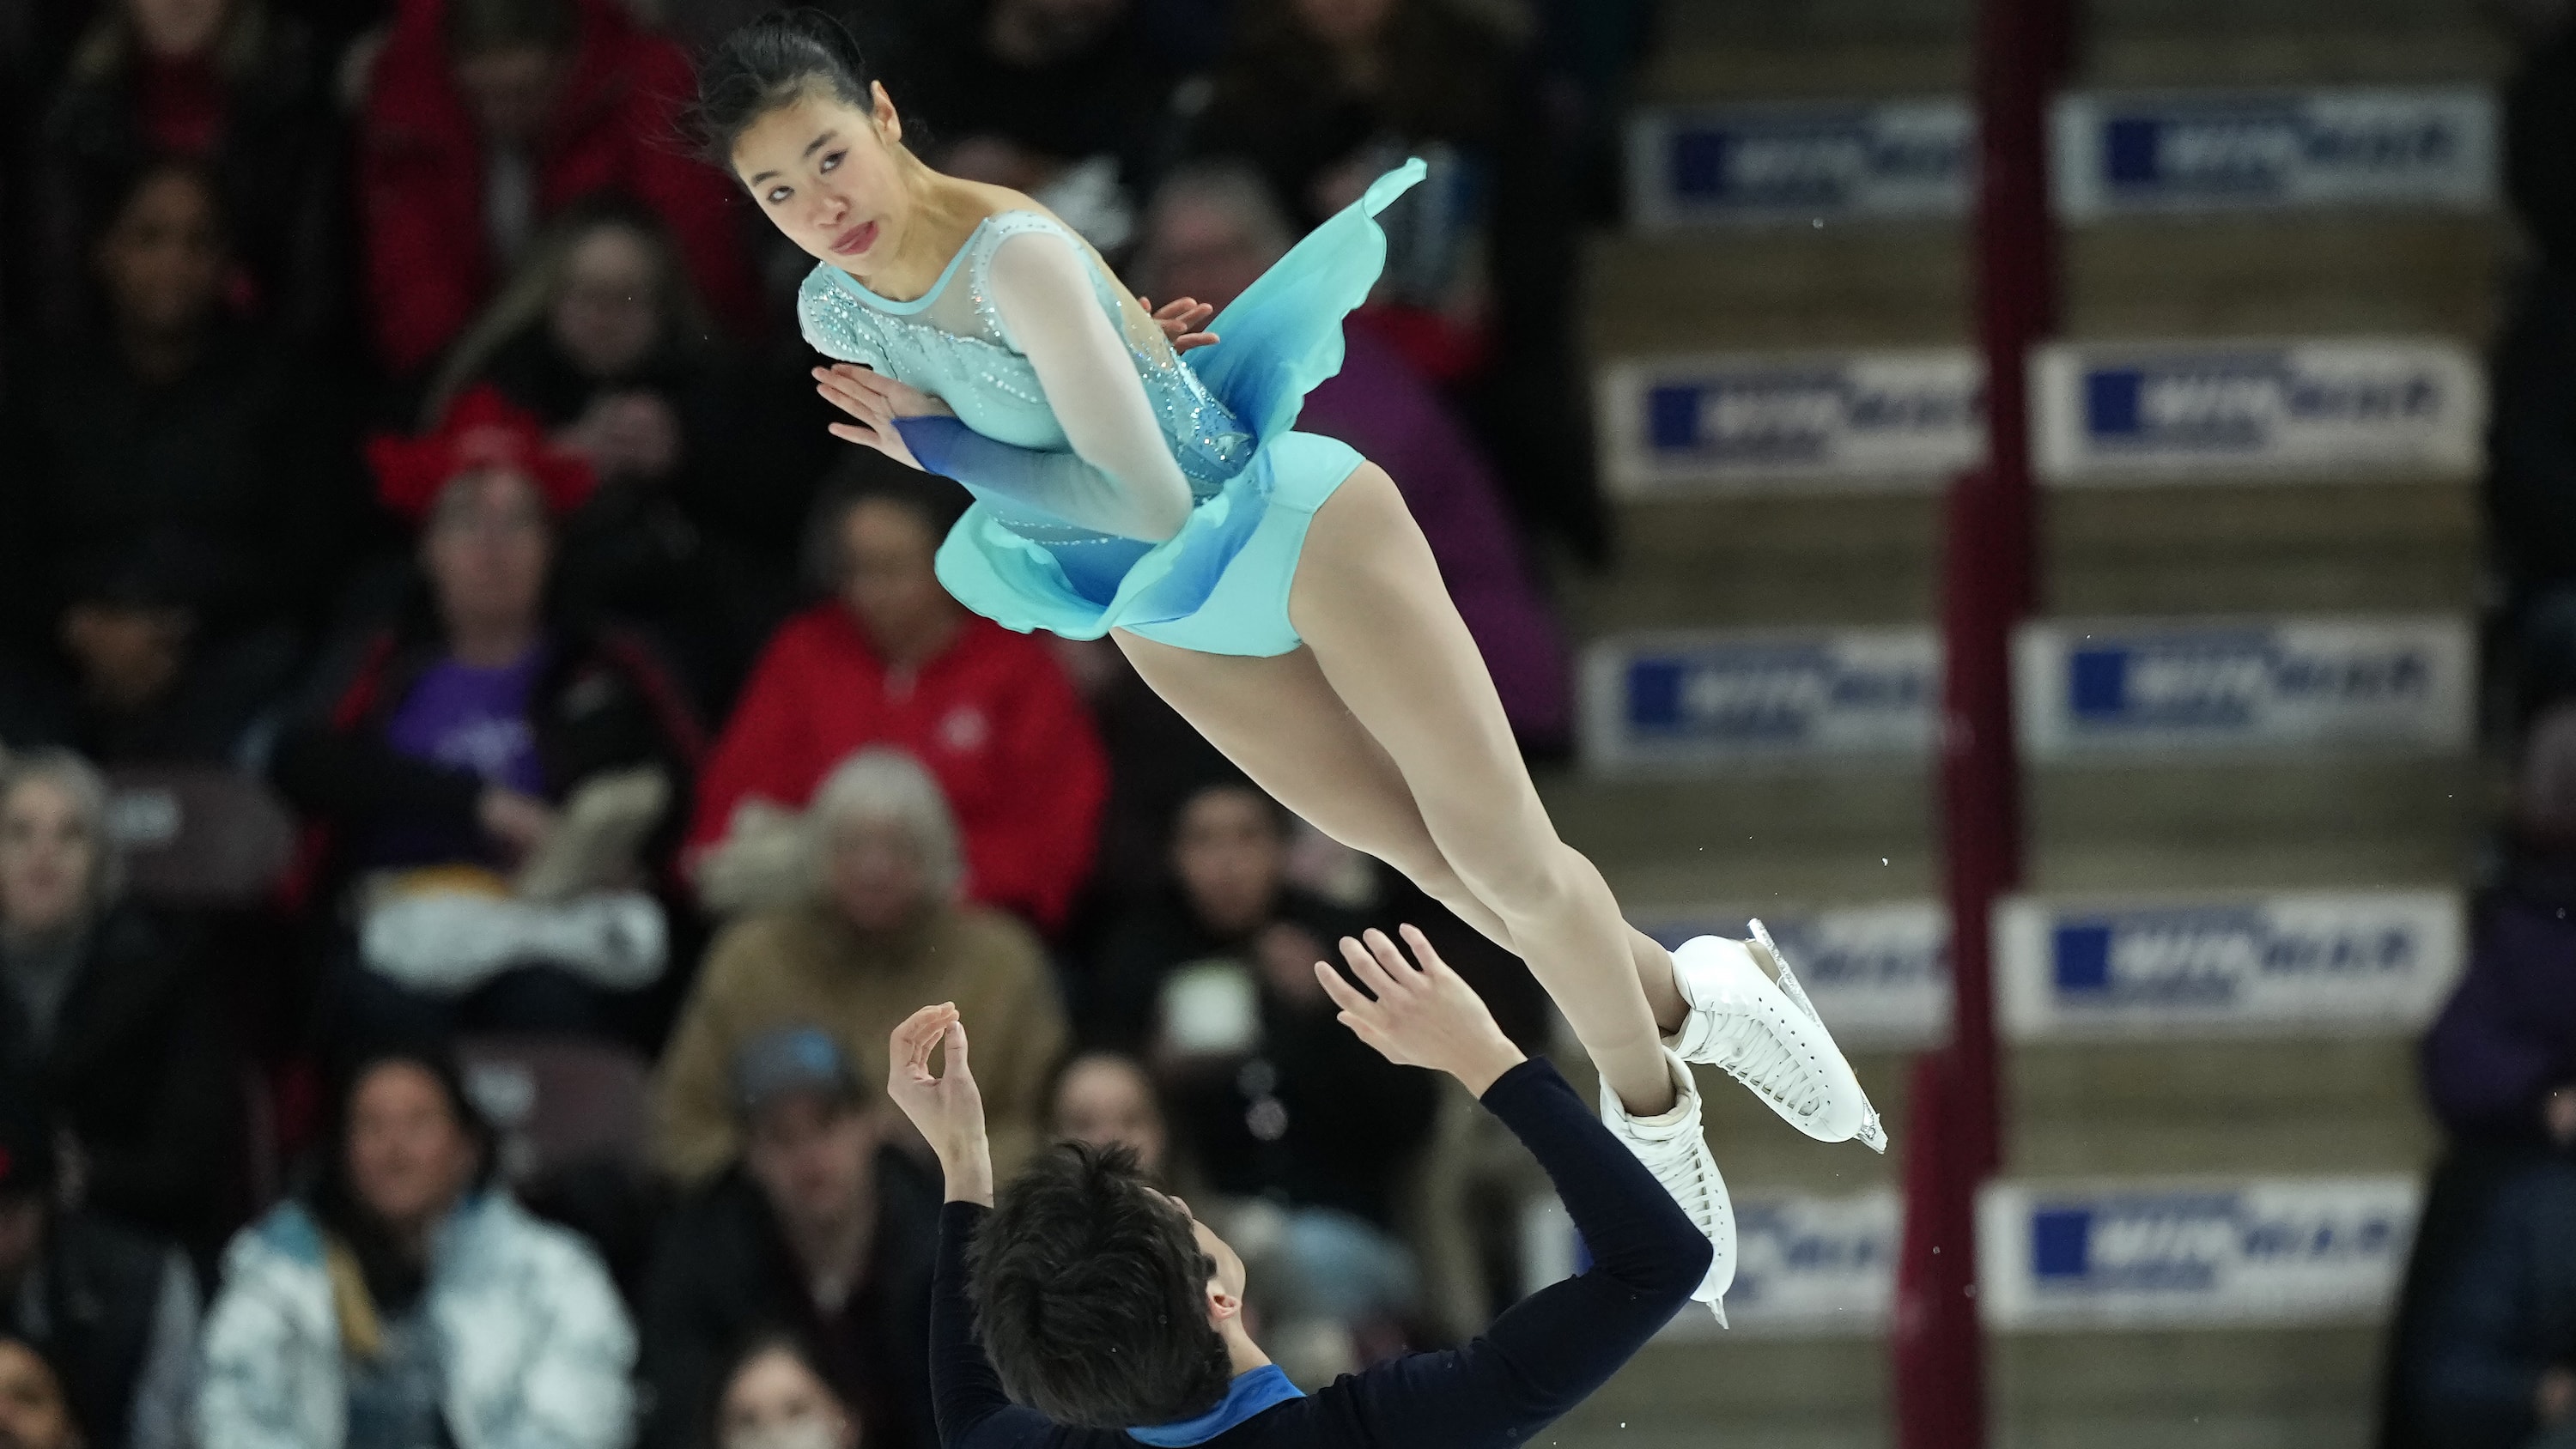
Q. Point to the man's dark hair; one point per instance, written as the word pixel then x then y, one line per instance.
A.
pixel 1091 1295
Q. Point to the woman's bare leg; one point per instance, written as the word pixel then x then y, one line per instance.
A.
pixel 1280 722
pixel 1369 603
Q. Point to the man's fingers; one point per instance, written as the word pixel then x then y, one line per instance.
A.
pixel 1396 973
pixel 1432 965
pixel 1345 995
pixel 955 1039
pixel 1363 967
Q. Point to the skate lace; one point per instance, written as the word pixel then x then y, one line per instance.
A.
pixel 1684 1168
pixel 1754 1055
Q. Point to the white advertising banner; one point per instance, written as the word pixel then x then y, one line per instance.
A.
pixel 2146 686
pixel 1683 699
pixel 1879 974
pixel 2172 151
pixel 2139 412
pixel 1858 420
pixel 1808 1267
pixel 1800 162
pixel 2315 962
pixel 2258 1251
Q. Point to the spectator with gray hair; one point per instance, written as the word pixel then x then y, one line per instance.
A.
pixel 888 658
pixel 106 1008
pixel 870 924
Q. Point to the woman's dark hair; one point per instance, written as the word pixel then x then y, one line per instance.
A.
pixel 759 1343
pixel 475 27
pixel 872 478
pixel 393 1279
pixel 772 62
pixel 1091 1295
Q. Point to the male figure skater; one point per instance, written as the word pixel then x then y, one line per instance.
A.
pixel 1112 1316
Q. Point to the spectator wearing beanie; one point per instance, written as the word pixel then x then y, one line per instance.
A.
pixel 237 86
pixel 485 117
pixel 875 928
pixel 821 1229
pixel 404 1301
pixel 891 659
pixel 478 747
pixel 107 1010
pixel 111 1315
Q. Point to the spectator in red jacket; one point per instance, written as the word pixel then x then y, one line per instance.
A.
pixel 893 660
pixel 483 118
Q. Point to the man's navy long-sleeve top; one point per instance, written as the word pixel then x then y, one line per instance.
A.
pixel 1543 1356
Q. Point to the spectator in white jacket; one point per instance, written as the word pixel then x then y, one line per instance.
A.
pixel 404 1303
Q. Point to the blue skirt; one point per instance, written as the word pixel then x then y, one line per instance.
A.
pixel 1219 586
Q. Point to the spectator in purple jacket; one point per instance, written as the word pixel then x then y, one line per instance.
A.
pixel 2508 1036
pixel 1211 230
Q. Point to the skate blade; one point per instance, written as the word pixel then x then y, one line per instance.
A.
pixel 1872 1133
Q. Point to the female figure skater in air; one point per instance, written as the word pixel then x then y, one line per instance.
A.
pixel 1268 583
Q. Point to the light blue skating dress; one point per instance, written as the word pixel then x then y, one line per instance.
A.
pixel 1227 412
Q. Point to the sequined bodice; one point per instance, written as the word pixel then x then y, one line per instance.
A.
pixel 951 342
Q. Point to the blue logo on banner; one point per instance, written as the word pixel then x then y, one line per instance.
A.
pixel 2209 956
pixel 1789 415
pixel 1817 160
pixel 1766 694
pixel 2061 1241
pixel 2222 679
pixel 2182 1241
pixel 2239 151
pixel 2232 402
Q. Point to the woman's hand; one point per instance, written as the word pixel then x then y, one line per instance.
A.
pixel 1180 320
pixel 948 1109
pixel 1421 1017
pixel 876 401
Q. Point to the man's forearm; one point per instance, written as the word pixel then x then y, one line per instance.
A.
pixel 969 1172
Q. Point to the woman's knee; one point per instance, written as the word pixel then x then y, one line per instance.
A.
pixel 1521 879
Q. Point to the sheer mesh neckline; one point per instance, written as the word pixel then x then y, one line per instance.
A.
pixel 946 273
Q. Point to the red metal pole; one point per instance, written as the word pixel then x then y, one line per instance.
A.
pixel 1955 1134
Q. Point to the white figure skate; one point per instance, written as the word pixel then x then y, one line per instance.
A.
pixel 1765 1034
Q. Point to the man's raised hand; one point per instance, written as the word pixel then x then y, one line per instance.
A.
pixel 946 1107
pixel 1425 1016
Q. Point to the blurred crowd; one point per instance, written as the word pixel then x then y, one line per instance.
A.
pixel 482 771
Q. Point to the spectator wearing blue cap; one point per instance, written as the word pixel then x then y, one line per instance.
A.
pixel 822 1231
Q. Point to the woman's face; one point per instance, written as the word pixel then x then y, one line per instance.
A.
pixel 485 549
pixel 409 1158
pixel 1104 1101
pixel 177 29
pixel 1228 852
pixel 775 1402
pixel 47 858
pixel 874 872
pixel 826 172
pixel 609 313
pixel 33 1414
pixel 162 261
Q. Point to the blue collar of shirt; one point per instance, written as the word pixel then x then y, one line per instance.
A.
pixel 1264 1388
